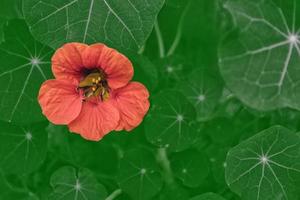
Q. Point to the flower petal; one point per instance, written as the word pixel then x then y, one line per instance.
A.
pixel 133 104
pixel 60 101
pixel 117 67
pixel 95 120
pixel 67 61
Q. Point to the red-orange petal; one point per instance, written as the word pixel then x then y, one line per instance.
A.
pixel 95 120
pixel 60 101
pixel 132 103
pixel 117 67
pixel 67 61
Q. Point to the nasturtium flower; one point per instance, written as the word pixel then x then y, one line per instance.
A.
pixel 92 91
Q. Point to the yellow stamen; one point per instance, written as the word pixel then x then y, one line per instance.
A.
pixel 95 85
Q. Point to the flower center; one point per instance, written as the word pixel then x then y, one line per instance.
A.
pixel 95 85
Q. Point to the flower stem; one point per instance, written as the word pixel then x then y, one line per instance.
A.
pixel 179 31
pixel 160 41
pixel 163 159
pixel 114 195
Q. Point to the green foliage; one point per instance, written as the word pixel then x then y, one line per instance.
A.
pixel 120 24
pixel 23 148
pixel 208 196
pixel 220 73
pixel 190 166
pixel 170 121
pixel 262 54
pixel 266 166
pixel 25 65
pixel 139 174
pixel 68 183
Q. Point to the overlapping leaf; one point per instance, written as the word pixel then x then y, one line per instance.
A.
pixel 260 60
pixel 170 123
pixel 266 166
pixel 25 64
pixel 23 149
pixel 69 184
pixel 122 24
pixel 139 174
pixel 191 167
pixel 204 90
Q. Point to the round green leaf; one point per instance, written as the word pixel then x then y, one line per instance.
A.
pixel 23 149
pixel 24 67
pixel 70 184
pixel 204 90
pixel 190 166
pixel 266 166
pixel 208 196
pixel 260 60
pixel 139 174
pixel 123 24
pixel 170 121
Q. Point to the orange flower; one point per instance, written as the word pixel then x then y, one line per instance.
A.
pixel 92 92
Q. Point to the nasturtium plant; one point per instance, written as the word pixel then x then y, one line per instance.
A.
pixel 139 175
pixel 266 166
pixel 71 184
pixel 208 196
pixel 204 89
pixel 211 112
pixel 190 166
pixel 260 58
pixel 25 64
pixel 23 148
pixel 120 24
pixel 170 122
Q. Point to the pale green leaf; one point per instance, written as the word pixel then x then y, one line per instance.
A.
pixel 266 166
pixel 260 60
pixel 123 24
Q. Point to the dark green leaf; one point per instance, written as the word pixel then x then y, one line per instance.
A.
pixel 139 174
pixel 100 157
pixel 204 90
pixel 170 121
pixel 23 149
pixel 25 64
pixel 190 166
pixel 69 184
pixel 208 196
